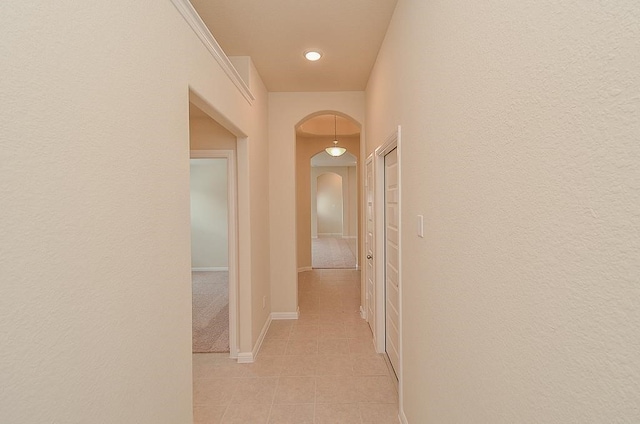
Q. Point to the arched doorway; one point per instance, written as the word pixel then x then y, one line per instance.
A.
pixel 313 136
pixel 334 195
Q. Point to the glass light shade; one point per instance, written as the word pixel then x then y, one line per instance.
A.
pixel 313 55
pixel 335 151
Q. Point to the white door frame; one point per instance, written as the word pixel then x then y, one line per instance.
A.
pixel 232 201
pixel 392 142
pixel 364 313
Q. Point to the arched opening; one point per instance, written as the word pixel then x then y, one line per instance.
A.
pixel 333 210
pixel 315 169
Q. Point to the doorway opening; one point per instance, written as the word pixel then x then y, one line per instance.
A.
pixel 327 189
pixel 209 254
pixel 383 274
pixel 213 235
pixel 333 210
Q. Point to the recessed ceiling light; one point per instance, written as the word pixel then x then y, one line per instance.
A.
pixel 312 55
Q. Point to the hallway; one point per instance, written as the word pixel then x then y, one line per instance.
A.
pixel 333 253
pixel 319 369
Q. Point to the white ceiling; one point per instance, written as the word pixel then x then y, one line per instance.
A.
pixel 276 33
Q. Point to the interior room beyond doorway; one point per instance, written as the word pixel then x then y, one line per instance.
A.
pixel 328 198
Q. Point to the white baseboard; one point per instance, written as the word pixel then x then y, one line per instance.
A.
pixel 211 268
pixel 285 315
pixel 305 268
pixel 245 358
pixel 363 313
pixel 250 357
pixel 402 417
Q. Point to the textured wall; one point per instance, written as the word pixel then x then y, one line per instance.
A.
pixel 521 148
pixel 95 312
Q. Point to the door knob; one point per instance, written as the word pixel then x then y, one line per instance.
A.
pixel 369 257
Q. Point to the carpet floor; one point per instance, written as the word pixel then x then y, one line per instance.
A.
pixel 332 253
pixel 210 291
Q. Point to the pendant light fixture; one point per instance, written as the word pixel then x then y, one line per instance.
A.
pixel 334 150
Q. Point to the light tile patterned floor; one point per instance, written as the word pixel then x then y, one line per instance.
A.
pixel 319 369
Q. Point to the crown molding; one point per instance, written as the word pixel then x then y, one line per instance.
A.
pixel 198 26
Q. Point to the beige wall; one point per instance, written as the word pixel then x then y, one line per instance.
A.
pixel 306 148
pixel 329 203
pixel 259 204
pixel 94 255
pixel 349 184
pixel 286 110
pixel 520 125
pixel 207 134
pixel 208 208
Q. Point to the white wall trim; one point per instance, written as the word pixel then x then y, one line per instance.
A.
pixel 285 315
pixel 363 313
pixel 245 358
pixel 250 357
pixel 402 417
pixel 369 302
pixel 305 268
pixel 211 268
pixel 392 142
pixel 261 337
pixel 198 26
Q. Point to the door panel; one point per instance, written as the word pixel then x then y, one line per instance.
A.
pixel 369 269
pixel 391 266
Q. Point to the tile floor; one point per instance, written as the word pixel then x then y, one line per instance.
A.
pixel 319 369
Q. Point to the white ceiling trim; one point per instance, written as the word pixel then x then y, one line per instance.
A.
pixel 195 22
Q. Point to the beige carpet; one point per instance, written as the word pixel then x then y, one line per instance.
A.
pixel 332 252
pixel 210 291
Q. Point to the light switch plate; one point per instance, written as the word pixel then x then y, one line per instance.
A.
pixel 420 228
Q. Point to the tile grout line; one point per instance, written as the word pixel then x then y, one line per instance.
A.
pixel 273 400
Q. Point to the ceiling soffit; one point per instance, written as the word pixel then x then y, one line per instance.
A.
pixel 276 33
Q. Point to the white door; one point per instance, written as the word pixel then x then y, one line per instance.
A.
pixel 391 265
pixel 369 270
